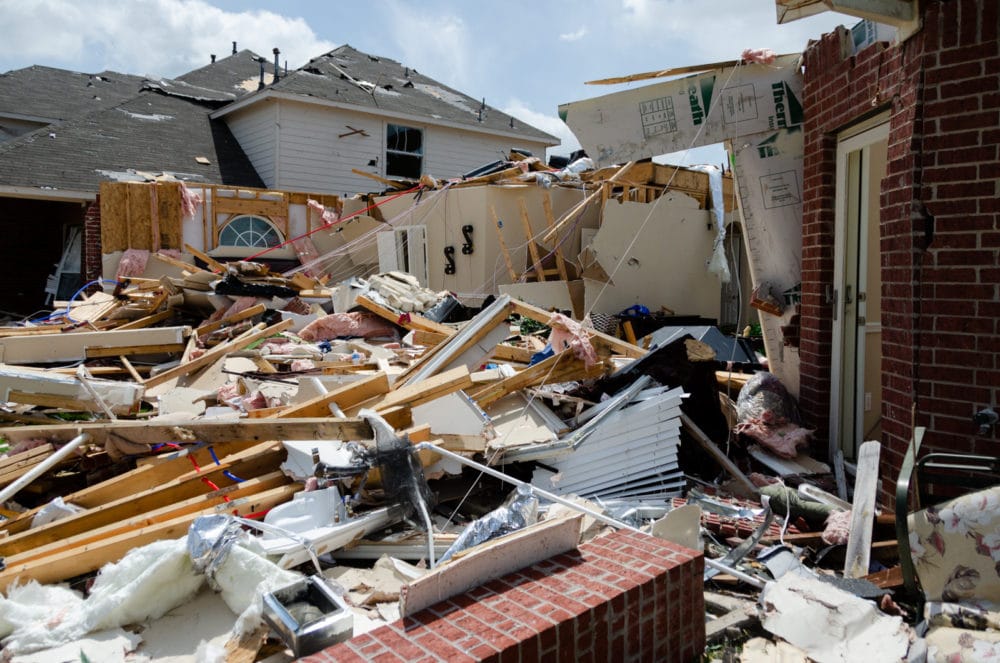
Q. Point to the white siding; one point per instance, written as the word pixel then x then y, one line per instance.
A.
pixel 453 152
pixel 316 151
pixel 255 130
pixel 313 156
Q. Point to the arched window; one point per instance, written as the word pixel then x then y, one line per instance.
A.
pixel 249 230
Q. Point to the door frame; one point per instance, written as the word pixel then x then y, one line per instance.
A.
pixel 850 140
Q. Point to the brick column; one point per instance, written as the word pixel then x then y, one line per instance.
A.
pixel 92 265
pixel 624 596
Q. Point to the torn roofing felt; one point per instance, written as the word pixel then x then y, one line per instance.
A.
pixel 150 132
pixel 348 76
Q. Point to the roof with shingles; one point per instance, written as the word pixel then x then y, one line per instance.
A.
pixel 58 94
pixel 151 132
pixel 377 84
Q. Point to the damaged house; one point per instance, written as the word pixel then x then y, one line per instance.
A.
pixel 242 126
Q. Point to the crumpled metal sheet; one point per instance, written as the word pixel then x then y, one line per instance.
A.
pixel 210 538
pixel 519 511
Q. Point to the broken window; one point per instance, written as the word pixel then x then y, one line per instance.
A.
pixel 249 230
pixel 404 150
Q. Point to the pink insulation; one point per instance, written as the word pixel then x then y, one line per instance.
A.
pixel 133 263
pixel 328 216
pixel 838 528
pixel 337 325
pixel 568 333
pixel 759 55
pixel 190 201
pixel 785 440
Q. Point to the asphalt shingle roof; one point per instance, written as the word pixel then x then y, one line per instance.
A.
pixel 151 132
pixel 58 94
pixel 348 76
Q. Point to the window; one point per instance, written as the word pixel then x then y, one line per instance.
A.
pixel 404 150
pixel 247 230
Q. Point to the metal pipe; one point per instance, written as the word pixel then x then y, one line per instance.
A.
pixel 44 466
pixel 429 524
pixel 750 580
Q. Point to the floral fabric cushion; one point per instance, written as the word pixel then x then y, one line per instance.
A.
pixel 956 548
pixel 955 645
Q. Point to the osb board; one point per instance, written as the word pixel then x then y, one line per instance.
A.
pixel 127 216
pixel 114 221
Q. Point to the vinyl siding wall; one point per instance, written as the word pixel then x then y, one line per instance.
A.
pixel 315 152
pixel 255 129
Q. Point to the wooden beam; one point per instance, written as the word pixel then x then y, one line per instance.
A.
pixel 557 368
pixel 74 561
pixel 529 236
pixel 147 321
pixel 550 222
pixel 405 320
pixel 208 430
pixel 421 392
pixel 213 264
pixel 503 245
pixel 346 397
pixel 616 344
pixel 245 314
pixel 217 353
pixel 708 445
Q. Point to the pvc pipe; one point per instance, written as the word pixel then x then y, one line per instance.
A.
pixel 44 466
pixel 750 580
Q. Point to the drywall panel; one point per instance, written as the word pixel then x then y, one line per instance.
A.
pixel 656 255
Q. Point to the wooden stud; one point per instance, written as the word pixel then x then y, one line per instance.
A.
pixel 503 245
pixel 536 261
pixel 345 397
pixel 550 222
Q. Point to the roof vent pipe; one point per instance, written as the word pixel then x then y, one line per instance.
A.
pixel 277 67
pixel 260 84
pixel 234 48
pixel 213 58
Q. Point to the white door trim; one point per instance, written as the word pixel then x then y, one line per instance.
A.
pixel 849 141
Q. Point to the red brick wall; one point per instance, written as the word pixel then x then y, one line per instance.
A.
pixel 621 597
pixel 940 304
pixel 92 266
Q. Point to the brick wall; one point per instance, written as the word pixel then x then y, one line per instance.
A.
pixel 92 266
pixel 940 305
pixel 621 597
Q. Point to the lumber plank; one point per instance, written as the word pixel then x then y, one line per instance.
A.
pixel 859 540
pixel 345 397
pixel 550 222
pixel 217 353
pixel 503 245
pixel 504 352
pixel 424 391
pixel 541 315
pixel 89 557
pixel 708 445
pixel 245 314
pixel 214 264
pixel 211 431
pixel 177 465
pixel 559 367
pixel 405 320
pixel 529 236
pixel 176 498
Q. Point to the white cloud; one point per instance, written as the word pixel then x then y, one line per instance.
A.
pixel 550 124
pixel 574 36
pixel 165 37
pixel 718 30
pixel 437 45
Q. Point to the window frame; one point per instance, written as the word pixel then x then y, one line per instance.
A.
pixel 392 131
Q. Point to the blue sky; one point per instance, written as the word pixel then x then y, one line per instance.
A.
pixel 524 57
